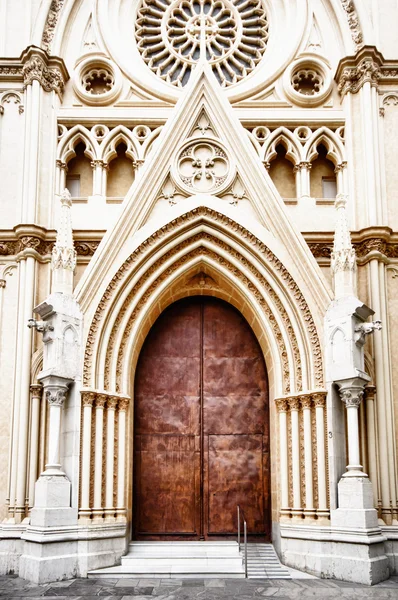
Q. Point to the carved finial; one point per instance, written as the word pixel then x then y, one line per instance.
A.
pixel 343 261
pixel 64 255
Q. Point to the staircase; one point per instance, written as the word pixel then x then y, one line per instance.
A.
pixel 177 559
pixel 263 563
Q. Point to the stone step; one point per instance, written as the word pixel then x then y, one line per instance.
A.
pixel 192 549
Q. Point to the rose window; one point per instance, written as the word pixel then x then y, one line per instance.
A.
pixel 203 166
pixel 173 35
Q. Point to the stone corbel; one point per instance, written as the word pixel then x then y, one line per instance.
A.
pixel 364 329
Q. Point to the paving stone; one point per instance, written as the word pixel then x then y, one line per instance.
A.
pixel 149 583
pixel 193 582
pixel 127 583
pixel 214 583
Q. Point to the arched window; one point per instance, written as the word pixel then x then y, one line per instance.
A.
pixel 120 174
pixel 281 173
pixel 79 178
pixel 323 182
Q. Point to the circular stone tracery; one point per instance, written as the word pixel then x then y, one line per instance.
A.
pixel 173 35
pixel 203 166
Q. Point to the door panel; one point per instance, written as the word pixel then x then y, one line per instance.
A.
pixel 201 425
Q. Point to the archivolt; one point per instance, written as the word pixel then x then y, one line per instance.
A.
pixel 241 259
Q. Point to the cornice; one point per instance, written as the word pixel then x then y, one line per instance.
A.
pixel 35 64
pixel 370 242
pixel 367 65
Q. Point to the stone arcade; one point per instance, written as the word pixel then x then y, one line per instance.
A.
pixel 198 267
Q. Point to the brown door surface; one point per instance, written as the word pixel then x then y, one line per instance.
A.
pixel 201 434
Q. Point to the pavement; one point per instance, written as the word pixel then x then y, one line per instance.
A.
pixel 201 589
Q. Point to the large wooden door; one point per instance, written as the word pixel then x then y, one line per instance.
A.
pixel 201 434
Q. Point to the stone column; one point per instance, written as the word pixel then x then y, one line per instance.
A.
pixel 294 405
pixel 306 403
pixel 121 461
pixel 36 391
pixel 370 395
pixel 282 407
pixel 98 178
pixel 55 391
pixel 87 403
pixel 100 402
pixel 60 176
pixel 111 404
pixel 341 178
pixel 351 393
pixel 320 403
pixel 304 168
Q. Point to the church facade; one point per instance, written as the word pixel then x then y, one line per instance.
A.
pixel 198 281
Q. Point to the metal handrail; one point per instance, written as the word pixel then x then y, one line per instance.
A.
pixel 244 536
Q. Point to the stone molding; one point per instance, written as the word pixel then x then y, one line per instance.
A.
pixel 130 266
pixel 353 22
pixel 51 23
pixel 35 64
pixel 368 65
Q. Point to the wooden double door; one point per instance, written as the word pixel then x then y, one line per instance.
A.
pixel 201 426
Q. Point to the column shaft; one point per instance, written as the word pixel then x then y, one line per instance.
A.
pixel 87 401
pixel 36 392
pixel 99 432
pixel 319 400
pixel 294 405
pixel 121 463
pixel 110 449
pixel 309 485
pixel 282 407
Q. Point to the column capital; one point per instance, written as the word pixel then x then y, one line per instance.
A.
pixel 370 392
pixel 123 404
pixel 352 391
pixel 36 389
pixel 100 400
pixel 319 399
pixel 111 402
pixel 88 398
pixel 294 403
pixel 306 401
pixel 354 71
pixel 49 71
pixel 281 405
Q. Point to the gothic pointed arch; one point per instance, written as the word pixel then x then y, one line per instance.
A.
pixel 68 142
pixel 326 137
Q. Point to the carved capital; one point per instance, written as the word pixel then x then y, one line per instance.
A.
pixel 123 404
pixel 306 401
pixel 49 71
pixel 55 395
pixel 282 405
pixel 112 402
pixel 88 398
pixel 294 403
pixel 354 71
pixel 100 400
pixel 370 392
pixel 351 396
pixel 36 391
pixel 319 399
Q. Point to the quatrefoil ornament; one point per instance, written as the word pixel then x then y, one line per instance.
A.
pixel 203 166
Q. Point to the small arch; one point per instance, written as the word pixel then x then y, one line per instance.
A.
pixel 79 178
pixel 121 172
pixel 285 137
pixel 119 134
pixel 282 173
pixel 323 181
pixel 335 151
pixel 76 135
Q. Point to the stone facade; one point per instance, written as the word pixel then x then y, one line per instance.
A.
pixel 148 153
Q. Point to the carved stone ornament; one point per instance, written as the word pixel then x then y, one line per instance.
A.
pixel 36 390
pixel 294 403
pixel 354 71
pixel 319 399
pixel 352 396
pixel 50 79
pixel 64 253
pixel 282 404
pixel 51 23
pixel 100 400
pixel 112 402
pixel 353 23
pixel 56 396
pixel 123 404
pixel 203 166
pixel 88 398
pixel 306 401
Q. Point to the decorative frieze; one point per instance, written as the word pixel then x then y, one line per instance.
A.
pixel 353 23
